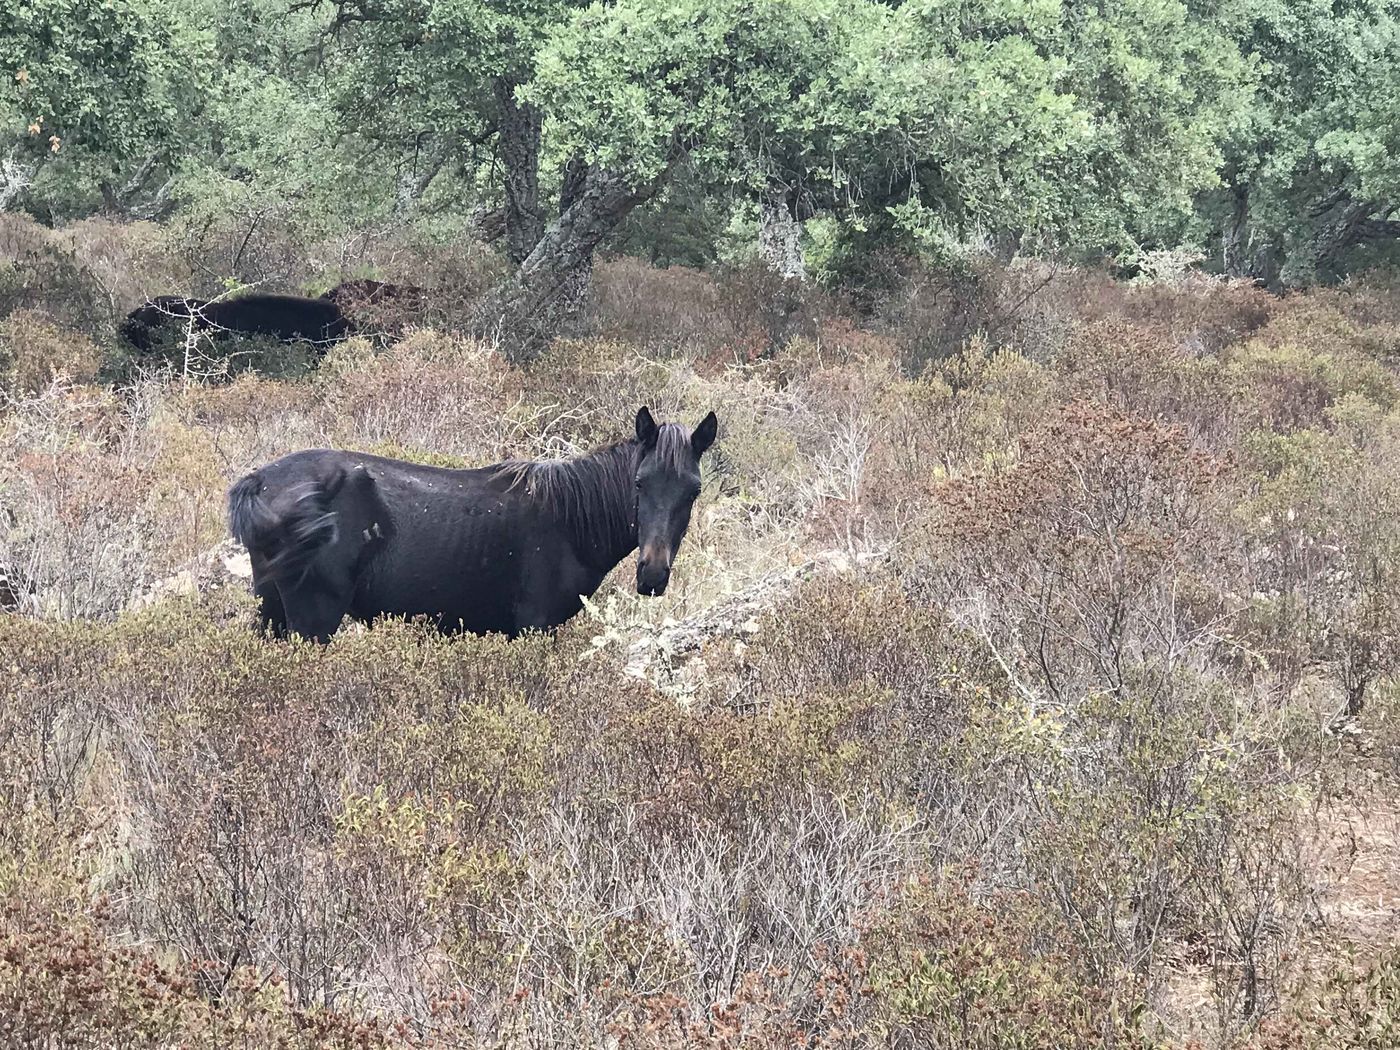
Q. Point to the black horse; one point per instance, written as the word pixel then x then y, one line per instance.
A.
pixel 289 318
pixel 366 292
pixel 505 548
pixel 144 326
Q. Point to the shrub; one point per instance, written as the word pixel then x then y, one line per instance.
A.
pixel 1321 518
pixel 35 352
pixel 39 272
pixel 1141 371
pixel 948 970
pixel 671 311
pixel 1287 387
pixel 1067 609
pixel 1069 558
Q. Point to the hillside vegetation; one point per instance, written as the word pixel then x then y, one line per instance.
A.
pixel 1080 733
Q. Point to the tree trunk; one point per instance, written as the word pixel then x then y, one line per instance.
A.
pixel 1234 257
pixel 574 285
pixel 135 199
pixel 1321 249
pixel 780 236
pixel 519 143
pixel 419 166
pixel 1342 223
pixel 489 224
pixel 524 314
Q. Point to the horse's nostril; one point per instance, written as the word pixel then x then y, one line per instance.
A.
pixel 652 579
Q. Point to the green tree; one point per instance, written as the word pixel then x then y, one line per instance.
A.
pixel 93 93
pixel 1046 125
pixel 1035 120
pixel 1312 169
pixel 434 85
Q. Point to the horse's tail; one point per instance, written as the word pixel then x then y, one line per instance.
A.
pixel 286 537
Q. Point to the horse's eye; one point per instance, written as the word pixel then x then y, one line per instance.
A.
pixel 639 483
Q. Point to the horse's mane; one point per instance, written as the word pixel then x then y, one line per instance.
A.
pixel 594 495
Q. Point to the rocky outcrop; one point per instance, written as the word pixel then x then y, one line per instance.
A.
pixel 667 656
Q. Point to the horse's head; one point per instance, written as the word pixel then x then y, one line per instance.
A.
pixel 668 480
pixel 142 325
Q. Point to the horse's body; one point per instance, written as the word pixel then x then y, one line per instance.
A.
pixel 286 317
pixel 504 548
pixel 289 318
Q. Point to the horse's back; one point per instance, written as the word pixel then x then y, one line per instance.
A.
pixel 287 317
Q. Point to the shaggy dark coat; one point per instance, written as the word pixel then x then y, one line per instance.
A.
pixel 146 325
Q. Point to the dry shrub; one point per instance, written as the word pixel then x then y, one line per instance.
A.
pixel 1036 307
pixel 250 848
pixel 1092 668
pixel 1323 521
pixel 839 637
pixel 65 981
pixel 949 970
pixel 77 537
pixel 455 273
pixel 250 404
pixel 35 352
pixel 671 311
pixel 933 314
pixel 1079 548
pixel 1096 573
pixel 377 821
pixel 241 239
pixel 761 1012
pixel 429 390
pixel 986 399
pixel 1358 318
pixel 1201 315
pixel 38 271
pixel 739 316
pixel 101 496
pixel 1355 1007
pixel 1142 372
pixel 1282 387
pixel 718 768
pixel 766 310
pixel 129 261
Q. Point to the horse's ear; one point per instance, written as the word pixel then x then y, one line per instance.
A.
pixel 704 435
pixel 646 426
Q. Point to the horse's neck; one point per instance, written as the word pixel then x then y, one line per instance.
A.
pixel 602 523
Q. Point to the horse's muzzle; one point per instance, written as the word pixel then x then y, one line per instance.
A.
pixel 652 579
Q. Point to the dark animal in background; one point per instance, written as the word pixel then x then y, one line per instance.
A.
pixel 286 317
pixel 145 325
pixel 366 292
pixel 290 318
pixel 505 548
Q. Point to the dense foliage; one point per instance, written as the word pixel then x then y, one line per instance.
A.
pixel 1262 135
